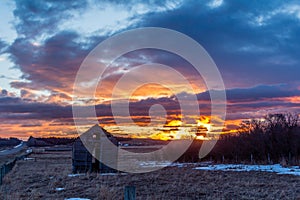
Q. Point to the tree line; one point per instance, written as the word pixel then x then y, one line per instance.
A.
pixel 9 142
pixel 273 139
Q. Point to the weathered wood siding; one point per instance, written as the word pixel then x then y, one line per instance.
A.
pixel 81 158
pixel 84 161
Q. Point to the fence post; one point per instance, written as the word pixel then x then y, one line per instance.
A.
pixel 5 169
pixel 129 193
pixel 1 175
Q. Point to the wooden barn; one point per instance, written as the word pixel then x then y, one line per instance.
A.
pixel 84 161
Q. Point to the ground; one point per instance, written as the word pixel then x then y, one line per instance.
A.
pixel 48 177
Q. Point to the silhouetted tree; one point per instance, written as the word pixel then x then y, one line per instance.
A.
pixel 271 139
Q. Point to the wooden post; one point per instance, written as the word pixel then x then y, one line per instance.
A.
pixel 1 175
pixel 5 170
pixel 269 160
pixel 129 193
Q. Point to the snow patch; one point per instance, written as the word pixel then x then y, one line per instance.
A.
pixel 74 175
pixel 277 168
pixel 29 159
pixel 77 199
pixel 29 151
pixel 111 174
pixel 154 164
pixel 19 145
pixel 165 164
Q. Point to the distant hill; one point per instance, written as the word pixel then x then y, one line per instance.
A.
pixel 41 142
pixel 9 142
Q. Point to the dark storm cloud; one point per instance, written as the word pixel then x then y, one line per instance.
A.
pixel 3 93
pixel 246 52
pixel 50 66
pixel 256 106
pixel 25 109
pixel 40 17
pixel 261 92
pixel 150 5
pixel 17 108
pixel 51 63
pixel 47 57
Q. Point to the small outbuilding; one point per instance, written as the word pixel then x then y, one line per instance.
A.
pixel 91 147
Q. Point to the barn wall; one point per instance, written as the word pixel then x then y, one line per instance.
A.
pixel 83 161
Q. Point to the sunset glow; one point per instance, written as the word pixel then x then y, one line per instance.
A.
pixel 42 47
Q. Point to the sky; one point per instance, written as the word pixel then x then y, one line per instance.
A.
pixel 255 46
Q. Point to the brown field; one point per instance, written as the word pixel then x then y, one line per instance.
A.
pixel 38 179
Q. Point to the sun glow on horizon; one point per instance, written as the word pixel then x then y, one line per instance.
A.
pixel 204 122
pixel 174 123
pixel 176 130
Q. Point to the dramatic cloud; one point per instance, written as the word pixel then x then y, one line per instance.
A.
pixel 37 19
pixel 3 46
pixel 254 45
pixel 243 104
pixel 245 51
pixel 51 67
pixel 261 92
pixel 3 93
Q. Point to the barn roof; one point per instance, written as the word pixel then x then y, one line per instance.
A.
pixel 96 131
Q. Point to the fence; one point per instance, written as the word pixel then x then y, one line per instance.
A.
pixel 7 167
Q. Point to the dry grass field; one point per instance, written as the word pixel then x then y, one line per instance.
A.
pixel 41 178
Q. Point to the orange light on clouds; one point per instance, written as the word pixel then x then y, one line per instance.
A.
pixel 175 130
pixel 151 91
pixel 39 128
pixel 204 122
pixel 295 99
pixel 174 123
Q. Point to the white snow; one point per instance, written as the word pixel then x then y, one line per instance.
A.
pixel 77 199
pixel 164 164
pixel 277 168
pixel 111 174
pixel 29 159
pixel 74 175
pixel 102 174
pixel 19 145
pixel 29 151
pixel 154 164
